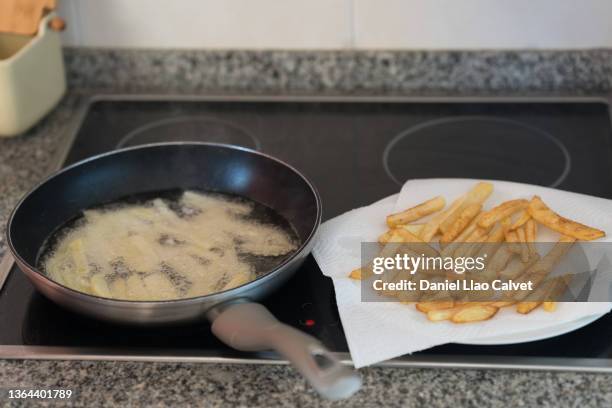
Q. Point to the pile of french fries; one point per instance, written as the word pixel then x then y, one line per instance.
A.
pixel 462 229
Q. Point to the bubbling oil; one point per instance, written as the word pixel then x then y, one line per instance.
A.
pixel 176 245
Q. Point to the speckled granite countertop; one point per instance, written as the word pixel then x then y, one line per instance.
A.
pixel 177 385
pixel 25 160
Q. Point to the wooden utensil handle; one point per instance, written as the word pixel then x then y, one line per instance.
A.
pixel 57 24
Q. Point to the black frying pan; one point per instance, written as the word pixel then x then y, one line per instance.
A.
pixel 236 320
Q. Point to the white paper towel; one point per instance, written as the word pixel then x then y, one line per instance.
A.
pixel 378 331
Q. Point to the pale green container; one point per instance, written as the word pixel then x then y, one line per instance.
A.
pixel 32 78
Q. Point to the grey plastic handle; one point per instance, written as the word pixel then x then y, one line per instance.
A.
pixel 251 327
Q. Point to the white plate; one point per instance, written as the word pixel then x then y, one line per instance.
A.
pixel 533 335
pixel 379 331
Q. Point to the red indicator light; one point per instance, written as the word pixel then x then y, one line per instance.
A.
pixel 309 322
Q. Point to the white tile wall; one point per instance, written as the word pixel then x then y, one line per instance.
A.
pixel 339 24
pixel 449 24
pixel 208 23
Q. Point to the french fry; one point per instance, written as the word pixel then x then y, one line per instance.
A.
pixel 408 297
pixel 416 212
pixel 476 313
pixel 400 239
pixel 545 216
pixel 466 249
pixel 436 296
pixel 524 249
pixel 480 238
pixel 402 235
pixel 531 232
pixel 99 285
pixel 549 306
pixel 449 248
pixel 482 296
pixel 465 312
pixel 478 235
pixel 512 241
pixel 477 195
pixel 385 236
pixel 522 219
pixel 432 227
pixel 496 235
pixel 395 276
pixel 503 210
pixel 389 250
pixel 429 306
pixel 81 266
pixel 413 243
pixel 511 236
pixel 527 307
pixel 136 289
pixel 471 303
pixel 506 223
pixel 441 314
pixel 502 303
pixel 559 285
pixel 546 290
pixel 554 255
pixel 355 274
pixel 489 247
pixel 539 270
pixel 471 244
pixel 467 215
pixel 498 262
pixel 414 229
pixel 118 289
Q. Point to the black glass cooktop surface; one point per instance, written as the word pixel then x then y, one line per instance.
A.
pixel 356 152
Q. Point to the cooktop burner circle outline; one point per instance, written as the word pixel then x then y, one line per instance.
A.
pixel 125 141
pixel 441 121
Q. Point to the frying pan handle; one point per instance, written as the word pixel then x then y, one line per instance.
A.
pixel 251 327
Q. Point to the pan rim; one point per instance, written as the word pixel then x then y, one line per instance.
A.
pixel 222 295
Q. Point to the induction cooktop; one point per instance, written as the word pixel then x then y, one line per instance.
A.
pixel 356 151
